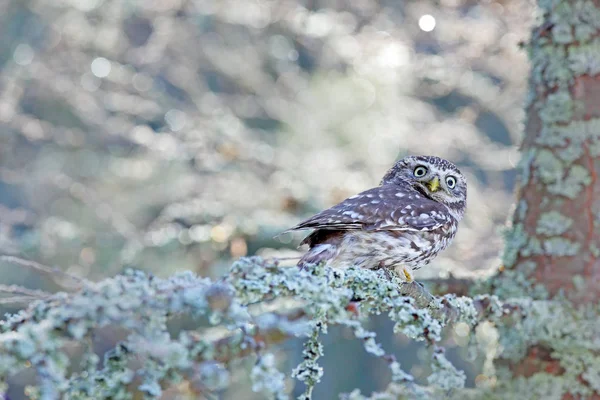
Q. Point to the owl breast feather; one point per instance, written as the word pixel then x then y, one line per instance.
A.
pixel 384 249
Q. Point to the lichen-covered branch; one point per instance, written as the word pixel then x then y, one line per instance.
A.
pixel 258 304
pixel 150 359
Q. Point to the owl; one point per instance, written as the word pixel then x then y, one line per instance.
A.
pixel 400 225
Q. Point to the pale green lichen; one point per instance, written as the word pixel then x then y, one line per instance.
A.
pixel 578 282
pixel 444 373
pixel 571 334
pixel 584 59
pixel 592 127
pixel 513 283
pixel 595 250
pixel 592 374
pixel 561 247
pixel 571 186
pixel 521 210
pixel 309 371
pixel 533 247
pixel 564 46
pixel 548 167
pixel 143 304
pixel 549 65
pixel 36 335
pixel 562 33
pixel 524 167
pixel 574 134
pixel 445 380
pixel 553 223
pixel 515 238
pixel 570 154
pixel 267 379
pixel 137 302
pixel 557 108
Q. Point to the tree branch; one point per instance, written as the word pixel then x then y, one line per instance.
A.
pixel 306 302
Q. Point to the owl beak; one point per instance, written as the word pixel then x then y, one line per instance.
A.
pixel 434 184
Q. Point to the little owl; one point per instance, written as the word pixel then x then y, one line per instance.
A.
pixel 402 224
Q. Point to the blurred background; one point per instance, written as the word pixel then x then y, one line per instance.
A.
pixel 171 135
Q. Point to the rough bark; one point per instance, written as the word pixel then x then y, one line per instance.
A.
pixel 553 245
pixel 554 239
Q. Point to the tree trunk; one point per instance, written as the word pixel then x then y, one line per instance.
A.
pixel 555 237
pixel 553 245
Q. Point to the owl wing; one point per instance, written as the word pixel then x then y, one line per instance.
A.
pixel 387 207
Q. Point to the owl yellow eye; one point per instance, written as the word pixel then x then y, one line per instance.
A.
pixel 420 171
pixel 451 182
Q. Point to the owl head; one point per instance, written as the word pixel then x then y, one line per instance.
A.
pixel 433 177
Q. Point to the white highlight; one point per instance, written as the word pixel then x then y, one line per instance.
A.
pixel 23 54
pixel 100 67
pixel 427 23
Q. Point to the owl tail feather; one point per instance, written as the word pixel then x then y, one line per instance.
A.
pixel 318 254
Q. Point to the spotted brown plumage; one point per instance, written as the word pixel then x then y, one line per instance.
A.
pixel 401 224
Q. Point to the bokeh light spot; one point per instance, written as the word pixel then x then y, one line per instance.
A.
pixel 100 67
pixel 427 23
pixel 462 329
pixel 23 54
pixel 176 119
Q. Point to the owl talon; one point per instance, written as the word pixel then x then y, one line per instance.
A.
pixel 407 275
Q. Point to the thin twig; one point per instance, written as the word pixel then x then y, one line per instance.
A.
pixel 52 271
pixel 21 290
pixel 17 300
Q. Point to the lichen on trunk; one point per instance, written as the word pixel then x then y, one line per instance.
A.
pixel 552 248
pixel 554 238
